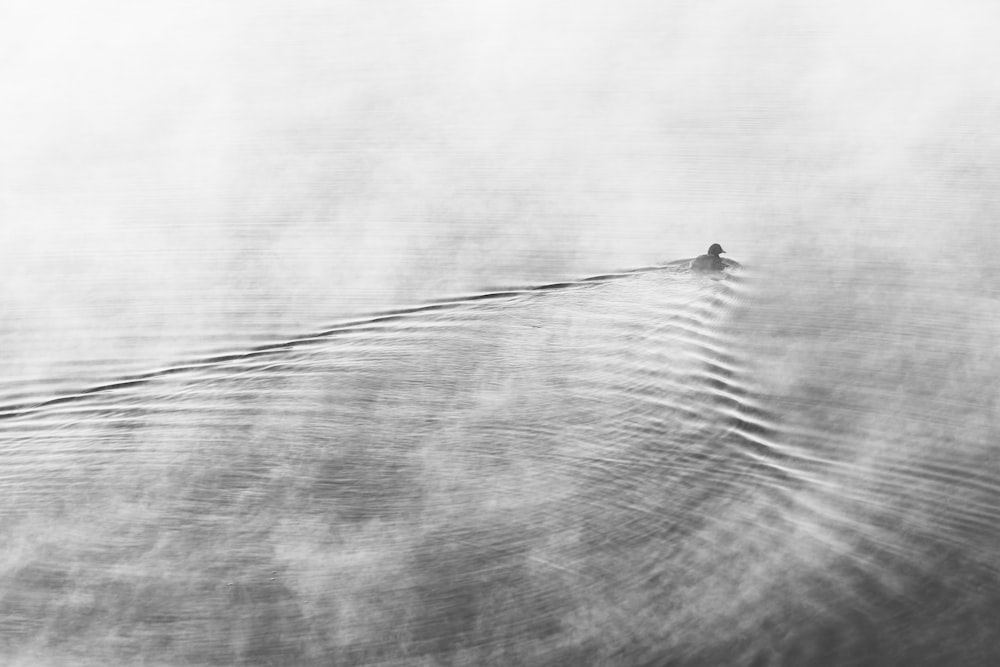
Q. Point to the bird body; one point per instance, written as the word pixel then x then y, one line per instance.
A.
pixel 710 261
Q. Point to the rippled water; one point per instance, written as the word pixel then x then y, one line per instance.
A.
pixel 654 467
pixel 245 421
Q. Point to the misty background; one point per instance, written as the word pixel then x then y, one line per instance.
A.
pixel 181 176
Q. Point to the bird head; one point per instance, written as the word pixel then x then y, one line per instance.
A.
pixel 715 249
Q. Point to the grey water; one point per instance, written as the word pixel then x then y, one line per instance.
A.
pixel 650 467
pixel 363 334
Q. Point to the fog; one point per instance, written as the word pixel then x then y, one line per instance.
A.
pixel 211 200
pixel 333 158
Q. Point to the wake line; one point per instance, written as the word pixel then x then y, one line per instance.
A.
pixel 368 323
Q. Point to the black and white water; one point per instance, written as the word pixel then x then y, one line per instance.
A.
pixel 654 467
pixel 324 338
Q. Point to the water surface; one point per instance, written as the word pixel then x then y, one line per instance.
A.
pixel 301 363
pixel 607 471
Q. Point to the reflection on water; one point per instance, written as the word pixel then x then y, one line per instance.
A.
pixel 655 467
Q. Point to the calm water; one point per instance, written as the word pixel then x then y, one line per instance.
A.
pixel 301 361
pixel 655 467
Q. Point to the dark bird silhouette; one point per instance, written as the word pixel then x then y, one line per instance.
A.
pixel 711 261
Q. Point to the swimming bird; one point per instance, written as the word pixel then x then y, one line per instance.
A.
pixel 711 261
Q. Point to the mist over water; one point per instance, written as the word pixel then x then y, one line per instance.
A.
pixel 302 362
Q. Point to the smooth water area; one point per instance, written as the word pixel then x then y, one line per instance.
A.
pixel 649 467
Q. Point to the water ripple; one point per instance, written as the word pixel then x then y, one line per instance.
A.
pixel 605 471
